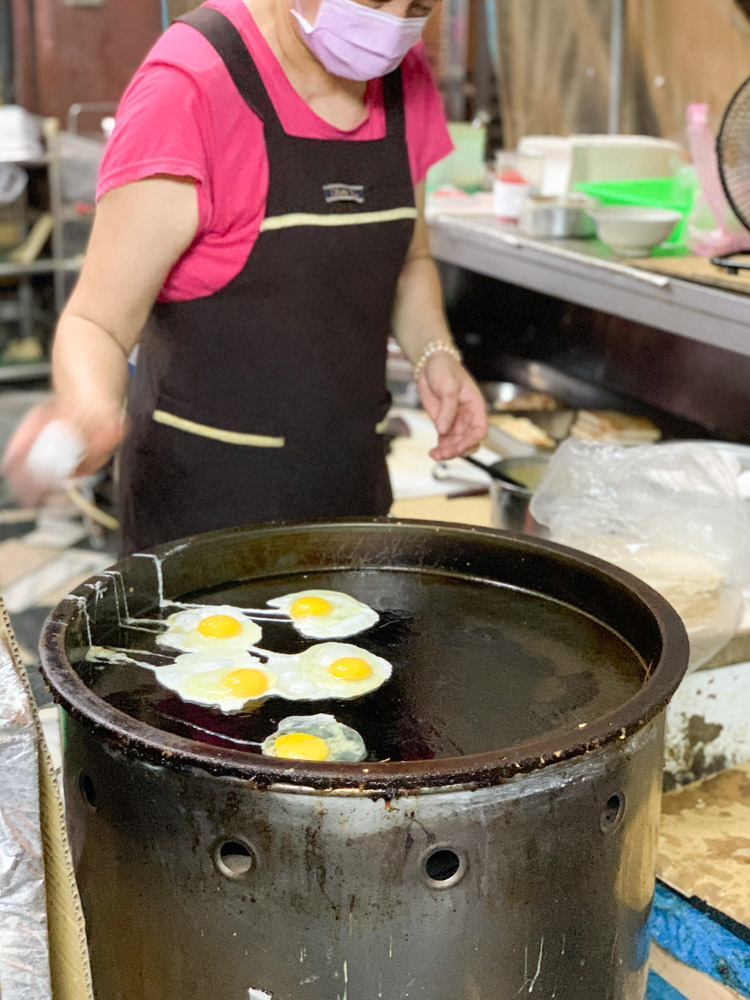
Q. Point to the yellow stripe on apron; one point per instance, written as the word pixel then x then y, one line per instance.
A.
pixel 216 433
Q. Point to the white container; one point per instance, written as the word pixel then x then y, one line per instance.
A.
pixel 555 152
pixel 631 230
pixel 590 159
pixel 20 135
pixel 517 176
pixel 600 158
pixel 55 454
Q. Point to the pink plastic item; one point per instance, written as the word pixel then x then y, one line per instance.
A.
pixel 712 227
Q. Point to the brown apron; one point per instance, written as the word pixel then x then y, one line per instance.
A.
pixel 262 400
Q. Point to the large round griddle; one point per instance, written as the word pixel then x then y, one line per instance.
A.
pixel 508 653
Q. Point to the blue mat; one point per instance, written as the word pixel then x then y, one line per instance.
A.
pixel 659 989
pixel 702 938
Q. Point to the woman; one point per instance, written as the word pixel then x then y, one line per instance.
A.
pixel 261 220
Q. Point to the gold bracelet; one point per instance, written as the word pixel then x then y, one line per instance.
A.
pixel 434 347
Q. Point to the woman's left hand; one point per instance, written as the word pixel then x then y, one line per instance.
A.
pixel 455 405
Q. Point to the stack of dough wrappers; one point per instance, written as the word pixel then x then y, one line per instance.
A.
pixel 611 427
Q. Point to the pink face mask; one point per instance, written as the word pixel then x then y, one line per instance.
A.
pixel 356 42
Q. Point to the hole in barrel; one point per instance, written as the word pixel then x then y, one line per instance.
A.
pixel 234 858
pixel 88 790
pixel 442 865
pixel 613 812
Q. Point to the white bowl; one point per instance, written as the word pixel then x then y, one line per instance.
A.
pixel 633 231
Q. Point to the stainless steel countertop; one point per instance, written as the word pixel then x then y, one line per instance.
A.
pixel 585 272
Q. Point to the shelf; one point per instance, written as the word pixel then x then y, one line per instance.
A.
pixel 585 273
pixel 21 371
pixel 9 269
pixel 47 228
pixel 9 311
pixel 35 161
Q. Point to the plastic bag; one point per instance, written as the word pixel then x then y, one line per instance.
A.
pixel 80 159
pixel 670 514
pixel 13 181
pixel 712 228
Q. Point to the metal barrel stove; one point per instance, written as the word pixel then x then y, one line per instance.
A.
pixel 500 839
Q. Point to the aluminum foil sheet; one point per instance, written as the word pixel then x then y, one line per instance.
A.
pixel 24 944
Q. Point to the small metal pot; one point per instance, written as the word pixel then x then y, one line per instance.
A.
pixel 510 504
pixel 564 217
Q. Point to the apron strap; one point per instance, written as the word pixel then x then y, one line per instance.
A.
pixel 226 39
pixel 219 31
pixel 393 104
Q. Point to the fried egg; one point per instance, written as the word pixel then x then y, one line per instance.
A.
pixel 325 614
pixel 314 737
pixel 330 670
pixel 227 683
pixel 214 629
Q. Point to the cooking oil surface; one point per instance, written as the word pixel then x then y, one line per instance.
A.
pixel 477 666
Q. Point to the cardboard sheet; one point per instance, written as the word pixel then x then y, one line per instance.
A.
pixel 698 269
pixel 704 844
pixel 44 952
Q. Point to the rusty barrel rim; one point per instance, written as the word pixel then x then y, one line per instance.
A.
pixel 145 742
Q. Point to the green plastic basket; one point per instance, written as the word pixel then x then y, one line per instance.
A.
pixel 654 192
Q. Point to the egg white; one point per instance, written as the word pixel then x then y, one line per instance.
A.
pixel 312 671
pixel 182 631
pixel 197 679
pixel 343 742
pixel 348 616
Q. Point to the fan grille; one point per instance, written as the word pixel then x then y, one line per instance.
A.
pixel 733 153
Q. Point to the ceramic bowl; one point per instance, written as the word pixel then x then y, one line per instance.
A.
pixel 633 231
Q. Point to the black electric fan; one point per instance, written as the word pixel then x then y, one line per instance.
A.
pixel 733 155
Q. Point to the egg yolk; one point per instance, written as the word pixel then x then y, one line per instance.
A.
pixel 245 682
pixel 304 607
pixel 350 668
pixel 300 746
pixel 219 627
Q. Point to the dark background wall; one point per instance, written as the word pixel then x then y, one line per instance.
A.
pixel 63 54
pixel 554 63
pixel 69 54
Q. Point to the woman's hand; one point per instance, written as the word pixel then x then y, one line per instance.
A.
pixel 139 231
pixel 449 394
pixel 455 405
pixel 102 428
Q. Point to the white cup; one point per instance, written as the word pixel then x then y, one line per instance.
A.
pixel 517 175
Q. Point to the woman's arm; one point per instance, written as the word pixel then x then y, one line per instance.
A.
pixel 140 231
pixel 448 392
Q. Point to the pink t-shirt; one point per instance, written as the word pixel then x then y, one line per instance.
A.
pixel 182 115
